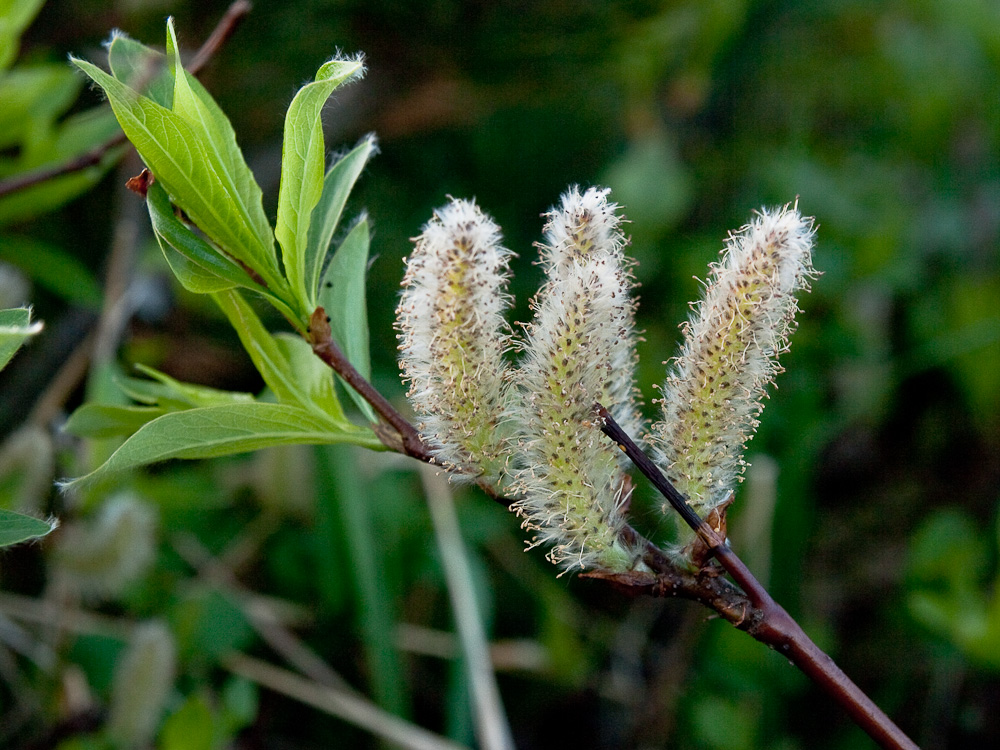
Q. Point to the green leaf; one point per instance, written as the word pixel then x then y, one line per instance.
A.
pixel 15 16
pixel 343 297
pixel 15 328
pixel 313 376
pixel 54 269
pixel 181 161
pixel 195 395
pixel 191 727
pixel 267 356
pixel 199 267
pixel 17 527
pixel 33 98
pixel 141 68
pixel 105 420
pixel 196 105
pixel 337 186
pixel 303 155
pixel 213 431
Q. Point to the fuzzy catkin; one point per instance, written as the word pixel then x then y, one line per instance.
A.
pixel 453 337
pixel 143 679
pixel 101 558
pixel 586 227
pixel 580 349
pixel 713 393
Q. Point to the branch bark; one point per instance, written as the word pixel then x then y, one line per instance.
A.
pixel 763 618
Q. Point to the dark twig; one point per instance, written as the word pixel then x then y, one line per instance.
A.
pixel 407 439
pixel 223 30
pixel 766 620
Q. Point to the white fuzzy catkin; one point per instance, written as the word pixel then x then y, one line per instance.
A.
pixel 580 349
pixel 713 393
pixel 453 337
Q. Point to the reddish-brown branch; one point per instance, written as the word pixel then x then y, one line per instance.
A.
pixel 762 617
pixel 236 12
pixel 406 438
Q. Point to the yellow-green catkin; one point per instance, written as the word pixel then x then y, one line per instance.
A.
pixel 143 679
pixel 580 349
pixel 453 337
pixel 713 393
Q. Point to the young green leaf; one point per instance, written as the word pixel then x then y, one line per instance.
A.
pixel 179 159
pixel 303 156
pixel 15 327
pixel 105 420
pixel 213 431
pixel 313 377
pixel 195 395
pixel 337 187
pixel 196 105
pixel 141 68
pixel 283 375
pixel 17 527
pixel 199 267
pixel 343 297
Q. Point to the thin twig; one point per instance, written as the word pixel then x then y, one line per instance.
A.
pixel 220 34
pixel 407 439
pixel 224 29
pixel 357 711
pixel 766 620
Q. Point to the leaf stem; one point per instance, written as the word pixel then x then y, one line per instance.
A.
pixel 765 619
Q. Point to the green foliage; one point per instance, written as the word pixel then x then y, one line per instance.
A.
pixel 303 153
pixel 15 328
pixel 191 150
pixel 17 527
pixel 34 131
pixel 948 561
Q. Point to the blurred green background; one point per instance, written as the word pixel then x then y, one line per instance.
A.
pixel 871 506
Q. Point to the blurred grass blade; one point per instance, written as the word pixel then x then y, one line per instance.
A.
pixel 342 493
pixel 302 165
pixel 54 269
pixel 492 727
pixel 343 297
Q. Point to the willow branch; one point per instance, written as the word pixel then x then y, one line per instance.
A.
pixel 406 438
pixel 765 619
pixel 236 12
